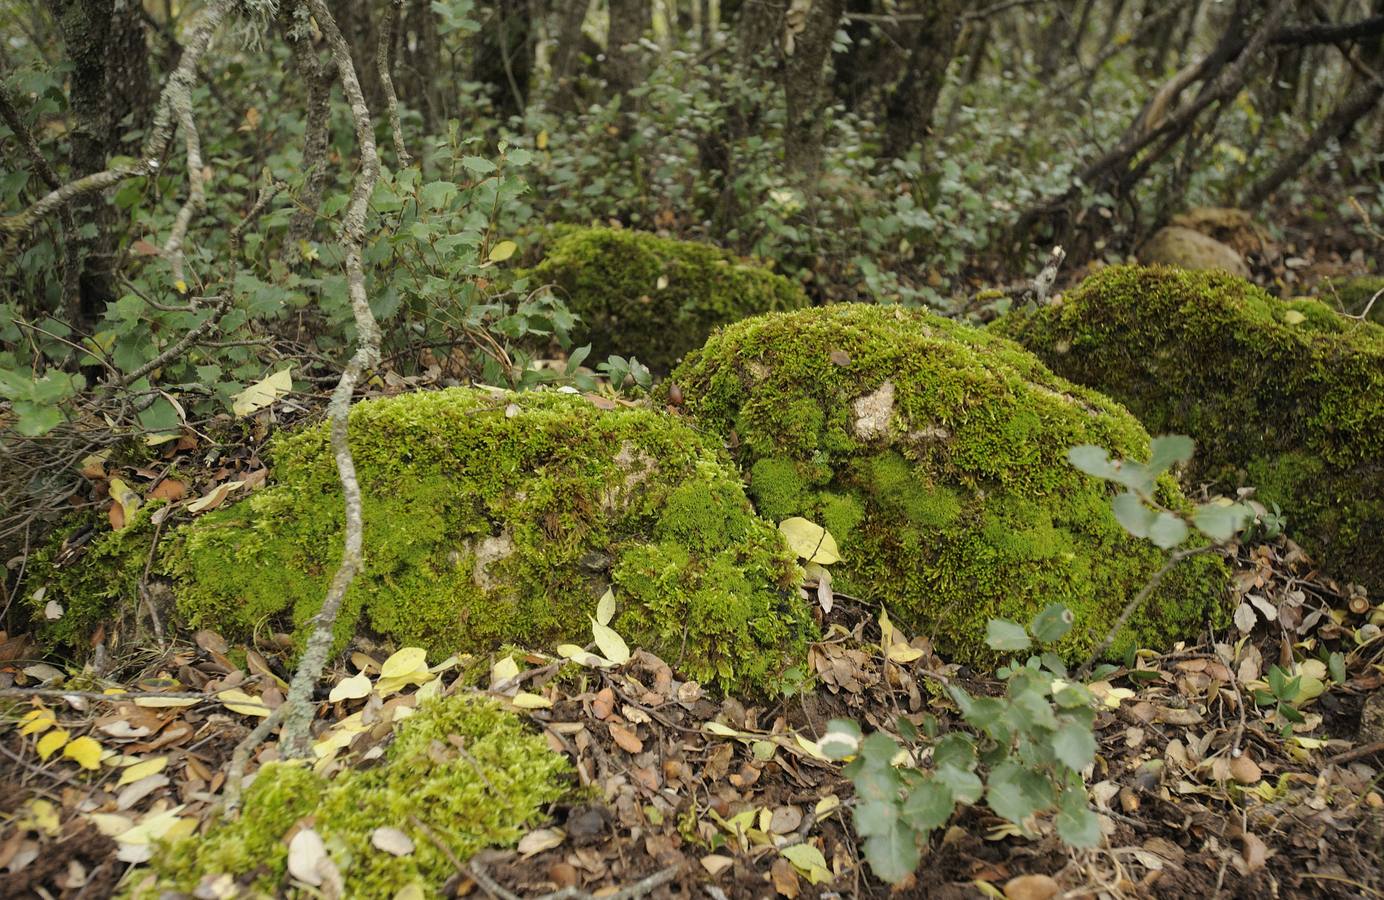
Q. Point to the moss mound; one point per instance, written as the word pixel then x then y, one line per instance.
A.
pixel 469 772
pixel 1288 397
pixel 501 518
pixel 652 297
pixel 935 453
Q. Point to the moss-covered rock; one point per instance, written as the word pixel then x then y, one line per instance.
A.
pixel 500 518
pixel 461 774
pixel 935 454
pixel 654 298
pixel 1285 396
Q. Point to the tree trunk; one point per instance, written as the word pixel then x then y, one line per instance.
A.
pixel 109 82
pixel 624 58
pixel 910 107
pixel 566 50
pixel 804 73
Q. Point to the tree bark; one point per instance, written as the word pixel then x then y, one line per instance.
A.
pixel 804 73
pixel 629 20
pixel 566 50
pixel 109 83
pixel 911 104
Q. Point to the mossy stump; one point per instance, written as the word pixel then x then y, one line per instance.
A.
pixel 461 775
pixel 1286 396
pixel 935 454
pixel 495 518
pixel 654 298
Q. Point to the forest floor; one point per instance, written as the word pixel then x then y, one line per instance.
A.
pixel 1202 791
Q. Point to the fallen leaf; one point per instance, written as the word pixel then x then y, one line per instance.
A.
pixel 354 688
pixel 243 703
pixel 306 856
pixel 627 739
pixel 1031 887
pixel 391 841
pixel 810 541
pixel 213 498
pixel 715 863
pixel 610 643
pixel 261 394
pixel 526 700
pixel 127 503
pixel 85 752
pixel 541 839
pixel 142 769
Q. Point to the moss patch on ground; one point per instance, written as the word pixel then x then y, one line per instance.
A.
pixel 462 773
pixel 655 298
pixel 935 453
pixel 1285 396
pixel 495 518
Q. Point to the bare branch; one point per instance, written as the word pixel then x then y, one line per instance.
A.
pixel 391 100
pixel 299 708
pixel 160 133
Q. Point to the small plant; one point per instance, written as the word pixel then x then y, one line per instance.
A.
pixel 626 374
pixel 1024 754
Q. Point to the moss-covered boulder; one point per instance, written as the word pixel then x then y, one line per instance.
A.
pixel 1285 396
pixel 935 454
pixel 654 298
pixel 497 518
pixel 462 775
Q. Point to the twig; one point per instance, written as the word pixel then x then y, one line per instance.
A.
pixel 1360 752
pixel 160 133
pixel 1046 278
pixel 386 82
pixel 240 757
pixel 179 95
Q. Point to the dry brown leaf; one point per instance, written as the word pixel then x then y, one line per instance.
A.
pixel 625 738
pixel 785 878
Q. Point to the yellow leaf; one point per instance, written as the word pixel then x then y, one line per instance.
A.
pixel 808 860
pixel 181 286
pixel 541 141
pixel 43 815
pixel 525 700
pixel 605 608
pixel 85 752
pixel 722 730
pixel 143 770
pixel 262 393
pixel 214 498
pixel 161 702
pixel 1293 317
pixel 503 670
pixel 503 251
pixel 903 653
pixel 353 688
pixel 810 748
pixel 405 661
pixel 612 645
pixel 243 703
pixel 123 494
pixel 51 742
pixel 580 656
pixel 36 722
pixel 810 541
pixel 111 824
pixel 826 806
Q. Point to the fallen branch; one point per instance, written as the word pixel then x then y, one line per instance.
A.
pixel 476 869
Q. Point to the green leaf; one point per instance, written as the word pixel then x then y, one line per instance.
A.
pixel 876 817
pixel 1337 664
pixel 1167 530
pixel 842 739
pixel 955 749
pixel 1131 513
pixel 1006 636
pixel 1169 450
pixel 1052 623
pixel 928 806
pixel 478 165
pixel 1076 823
pixel 1092 460
pixel 437 194
pixel 893 855
pixel 1015 793
pixel 964 785
pixel 1220 521
pixel 1074 745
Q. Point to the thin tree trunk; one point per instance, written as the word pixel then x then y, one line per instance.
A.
pixel 804 73
pixel 912 103
pixel 566 49
pixel 624 58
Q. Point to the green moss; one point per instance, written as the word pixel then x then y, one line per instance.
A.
pixel 937 458
pixel 1291 404
pixel 494 518
pixel 95 584
pixel 654 298
pixel 461 773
